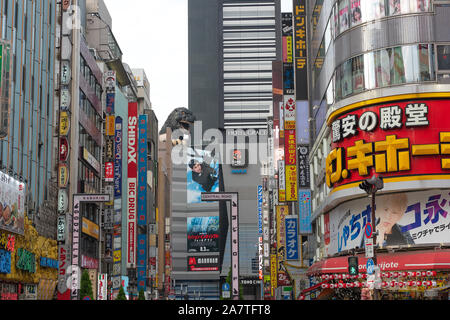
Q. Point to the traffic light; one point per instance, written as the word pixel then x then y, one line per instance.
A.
pixel 353 265
pixel 372 185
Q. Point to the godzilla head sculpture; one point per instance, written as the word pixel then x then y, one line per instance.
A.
pixel 180 118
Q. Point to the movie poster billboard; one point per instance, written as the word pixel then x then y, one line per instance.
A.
pixel 12 204
pixel 408 219
pixel 203 234
pixel 202 172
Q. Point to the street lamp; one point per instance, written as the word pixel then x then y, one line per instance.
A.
pixel 371 186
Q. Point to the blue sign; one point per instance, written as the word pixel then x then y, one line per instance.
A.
pixel 110 103
pixel 260 201
pixel 141 261
pixel 370 266
pixel 142 172
pixel 5 261
pixel 226 286
pixel 304 205
pixel 292 248
pixel 118 159
pixel 47 262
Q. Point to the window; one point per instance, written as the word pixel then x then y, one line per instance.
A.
pixel 443 57
pixel 386 67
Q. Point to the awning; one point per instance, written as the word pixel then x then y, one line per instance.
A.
pixel 398 261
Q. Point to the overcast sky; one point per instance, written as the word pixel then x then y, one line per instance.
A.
pixel 152 35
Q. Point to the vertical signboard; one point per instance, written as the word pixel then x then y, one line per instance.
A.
pixel 286 31
pixel 303 167
pixel 233 198
pixel 292 248
pixel 260 202
pixel 141 261
pixel 282 212
pixel 118 159
pixel 142 171
pixel 76 228
pixel 102 286
pixel 304 203
pixel 132 183
pixel 299 20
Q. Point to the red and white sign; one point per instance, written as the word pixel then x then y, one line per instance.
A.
pixel 398 139
pixel 109 171
pixel 289 112
pixel 102 287
pixel 132 182
pixel 399 261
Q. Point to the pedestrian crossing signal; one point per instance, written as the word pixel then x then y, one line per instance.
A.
pixel 353 265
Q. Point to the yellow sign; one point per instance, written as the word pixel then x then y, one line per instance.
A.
pixel 110 125
pixel 63 175
pixel 117 255
pixel 273 271
pixel 90 228
pixel 64 123
pixel 291 183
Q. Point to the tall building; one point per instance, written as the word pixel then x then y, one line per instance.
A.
pixel 230 89
pixel 379 85
pixel 28 149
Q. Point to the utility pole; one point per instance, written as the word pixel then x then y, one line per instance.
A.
pixel 371 186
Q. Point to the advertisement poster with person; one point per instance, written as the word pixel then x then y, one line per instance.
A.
pixel 413 218
pixel 203 234
pixel 202 174
pixel 343 16
pixel 356 12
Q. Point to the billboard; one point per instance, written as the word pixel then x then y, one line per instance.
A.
pixel 202 173
pixel 405 218
pixel 132 182
pixel 203 263
pixel 397 140
pixel 12 204
pixel 203 234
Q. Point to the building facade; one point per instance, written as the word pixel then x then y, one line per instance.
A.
pixel 378 82
pixel 234 96
pixel 28 149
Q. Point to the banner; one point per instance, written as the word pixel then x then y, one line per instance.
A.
pixel 132 183
pixel 411 218
pixel 203 234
